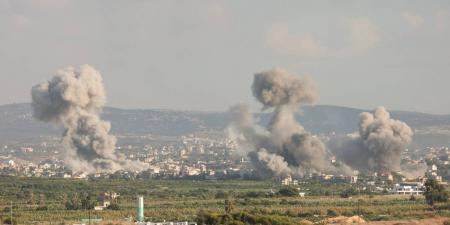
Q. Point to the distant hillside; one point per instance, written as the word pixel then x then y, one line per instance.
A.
pixel 16 121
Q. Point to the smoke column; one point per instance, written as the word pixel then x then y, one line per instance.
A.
pixel 283 147
pixel 74 99
pixel 379 145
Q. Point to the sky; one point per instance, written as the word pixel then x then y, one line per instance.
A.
pixel 202 54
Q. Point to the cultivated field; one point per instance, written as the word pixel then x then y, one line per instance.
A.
pixel 48 201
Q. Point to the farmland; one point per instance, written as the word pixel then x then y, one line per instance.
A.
pixel 38 200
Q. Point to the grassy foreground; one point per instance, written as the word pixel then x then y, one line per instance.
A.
pixel 38 200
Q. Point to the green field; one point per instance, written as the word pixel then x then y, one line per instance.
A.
pixel 39 200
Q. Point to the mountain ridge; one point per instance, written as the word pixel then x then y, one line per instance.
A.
pixel 16 121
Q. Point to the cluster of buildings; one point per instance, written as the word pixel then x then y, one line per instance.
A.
pixel 13 166
pixel 190 157
pixel 431 163
pixel 194 157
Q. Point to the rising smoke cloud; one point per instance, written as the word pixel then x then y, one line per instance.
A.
pixel 378 145
pixel 74 99
pixel 283 147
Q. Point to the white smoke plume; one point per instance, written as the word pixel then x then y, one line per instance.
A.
pixel 412 171
pixel 273 162
pixel 283 147
pixel 379 145
pixel 73 99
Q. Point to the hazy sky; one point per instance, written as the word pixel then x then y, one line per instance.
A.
pixel 201 55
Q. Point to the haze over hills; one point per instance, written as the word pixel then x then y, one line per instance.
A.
pixel 16 122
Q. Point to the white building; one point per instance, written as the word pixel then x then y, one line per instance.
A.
pixel 434 167
pixel 407 189
pixel 352 179
pixel 289 181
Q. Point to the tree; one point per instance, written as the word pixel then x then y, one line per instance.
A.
pixel 64 198
pixel 86 202
pixel 435 192
pixel 288 191
pixel 228 206
pixel 74 202
pixel 31 200
pixel 41 200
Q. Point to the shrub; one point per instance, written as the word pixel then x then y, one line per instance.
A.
pixel 8 221
pixel 114 206
pixel 42 208
pixel 253 194
pixel 240 219
pixel 288 191
pixel 331 212
pixel 221 195
pixel 348 192
pixel 304 214
pixel 344 195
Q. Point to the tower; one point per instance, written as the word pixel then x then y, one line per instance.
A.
pixel 140 208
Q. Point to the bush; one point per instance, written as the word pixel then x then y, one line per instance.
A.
pixel 348 192
pixel 304 214
pixel 114 206
pixel 42 208
pixel 331 212
pixel 344 195
pixel 241 218
pixel 253 194
pixel 8 221
pixel 221 195
pixel 288 191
